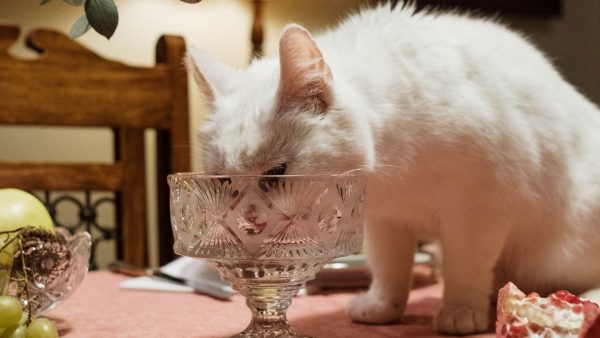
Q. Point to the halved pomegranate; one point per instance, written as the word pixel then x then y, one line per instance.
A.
pixel 561 314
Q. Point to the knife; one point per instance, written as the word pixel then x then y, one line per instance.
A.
pixel 207 287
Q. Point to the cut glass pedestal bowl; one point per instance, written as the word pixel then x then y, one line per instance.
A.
pixel 267 235
pixel 43 269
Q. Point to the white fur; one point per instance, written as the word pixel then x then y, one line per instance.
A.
pixel 471 137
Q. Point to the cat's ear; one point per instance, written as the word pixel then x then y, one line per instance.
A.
pixel 212 76
pixel 306 79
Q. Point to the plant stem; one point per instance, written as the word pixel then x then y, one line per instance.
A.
pixel 26 283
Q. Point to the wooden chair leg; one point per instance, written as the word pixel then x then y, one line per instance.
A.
pixel 134 235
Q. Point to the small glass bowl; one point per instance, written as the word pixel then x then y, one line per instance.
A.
pixel 54 265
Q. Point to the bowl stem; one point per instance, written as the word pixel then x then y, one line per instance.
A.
pixel 269 304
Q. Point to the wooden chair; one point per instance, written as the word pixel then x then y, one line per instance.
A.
pixel 75 87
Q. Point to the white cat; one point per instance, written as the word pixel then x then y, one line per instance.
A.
pixel 470 136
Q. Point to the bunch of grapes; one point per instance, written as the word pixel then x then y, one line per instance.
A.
pixel 14 323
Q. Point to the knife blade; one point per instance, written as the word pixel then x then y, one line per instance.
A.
pixel 203 286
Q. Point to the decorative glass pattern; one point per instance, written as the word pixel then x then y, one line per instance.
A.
pixel 267 235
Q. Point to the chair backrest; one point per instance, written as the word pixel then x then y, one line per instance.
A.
pixel 75 87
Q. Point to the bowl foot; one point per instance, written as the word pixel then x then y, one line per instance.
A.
pixel 279 330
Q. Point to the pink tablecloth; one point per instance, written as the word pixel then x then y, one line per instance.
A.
pixel 99 309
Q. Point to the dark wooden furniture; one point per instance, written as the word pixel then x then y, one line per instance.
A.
pixel 520 7
pixel 69 85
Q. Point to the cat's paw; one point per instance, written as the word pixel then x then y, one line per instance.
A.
pixel 461 320
pixel 367 308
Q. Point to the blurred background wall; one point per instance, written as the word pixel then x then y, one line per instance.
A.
pixel 223 28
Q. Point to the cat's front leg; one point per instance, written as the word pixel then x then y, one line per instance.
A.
pixel 391 251
pixel 470 254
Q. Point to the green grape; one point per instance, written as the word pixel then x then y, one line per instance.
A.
pixel 24 318
pixel 42 328
pixel 10 311
pixel 17 331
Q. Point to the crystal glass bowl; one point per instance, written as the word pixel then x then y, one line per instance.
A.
pixel 267 235
pixel 47 269
pixel 50 293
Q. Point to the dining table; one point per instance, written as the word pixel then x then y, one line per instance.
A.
pixel 100 308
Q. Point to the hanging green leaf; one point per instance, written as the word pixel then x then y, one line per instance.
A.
pixel 102 16
pixel 45 2
pixel 74 2
pixel 80 27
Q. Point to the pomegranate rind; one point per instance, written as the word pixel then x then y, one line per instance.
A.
pixel 507 326
pixel 503 327
pixel 591 322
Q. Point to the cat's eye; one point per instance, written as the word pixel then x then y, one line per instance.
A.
pixel 278 170
pixel 269 183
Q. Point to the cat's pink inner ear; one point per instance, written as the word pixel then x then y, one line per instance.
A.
pixel 305 77
pixel 200 80
pixel 212 76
